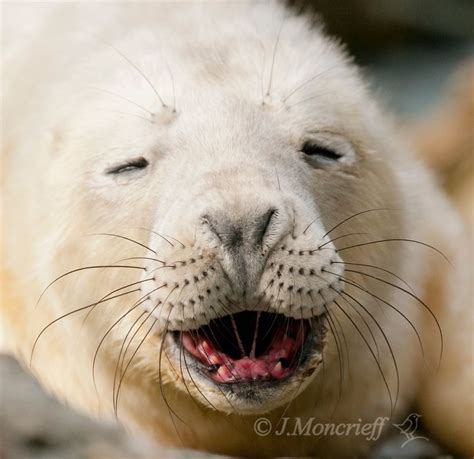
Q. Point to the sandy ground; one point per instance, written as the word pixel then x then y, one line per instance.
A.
pixel 35 426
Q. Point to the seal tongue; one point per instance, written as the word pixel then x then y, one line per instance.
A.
pixel 259 346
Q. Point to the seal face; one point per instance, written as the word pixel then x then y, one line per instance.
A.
pixel 208 246
pixel 243 305
pixel 236 191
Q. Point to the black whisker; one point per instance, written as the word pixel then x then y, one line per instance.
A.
pixel 157 234
pixel 141 258
pixel 337 238
pixel 83 308
pixel 355 284
pixel 374 267
pixel 414 297
pixel 336 322
pixel 94 360
pixel 373 355
pixel 124 238
pixel 354 216
pixel 130 361
pixel 337 343
pixel 119 361
pixel 384 336
pixel 176 240
pixel 170 409
pixel 396 240
pixel 83 269
pixel 311 223
pixel 112 292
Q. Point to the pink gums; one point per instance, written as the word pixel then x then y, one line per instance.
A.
pixel 248 368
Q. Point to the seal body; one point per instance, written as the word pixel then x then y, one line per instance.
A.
pixel 175 171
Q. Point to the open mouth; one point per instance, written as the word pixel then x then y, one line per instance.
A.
pixel 249 346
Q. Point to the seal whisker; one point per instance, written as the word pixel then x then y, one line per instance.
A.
pixel 346 314
pixel 311 223
pixel 396 240
pixel 94 360
pixel 139 70
pixel 131 340
pixel 254 341
pixel 358 286
pixel 394 360
pixel 425 306
pixel 84 268
pixel 237 336
pixel 172 85
pixel 171 412
pixel 83 308
pixel 124 238
pixel 105 91
pixel 336 323
pixel 157 234
pixel 140 301
pixel 367 326
pixel 306 82
pixel 338 345
pixel 274 55
pixel 182 356
pixel 374 267
pixel 112 292
pixel 141 258
pixel 356 215
pixel 118 112
pixel 121 357
pixel 123 352
pixel 339 237
pixel 176 240
pixel 130 361
pixel 315 96
pixel 297 389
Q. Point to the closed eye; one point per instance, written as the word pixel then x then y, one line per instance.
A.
pixel 320 152
pixel 129 166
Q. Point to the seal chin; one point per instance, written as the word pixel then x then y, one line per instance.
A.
pixel 252 356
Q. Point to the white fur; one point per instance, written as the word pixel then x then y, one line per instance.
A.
pixel 244 85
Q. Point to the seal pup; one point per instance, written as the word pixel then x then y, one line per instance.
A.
pixel 210 221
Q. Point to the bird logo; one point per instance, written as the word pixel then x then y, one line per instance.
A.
pixel 409 427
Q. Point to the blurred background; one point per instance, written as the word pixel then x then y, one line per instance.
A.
pixel 419 57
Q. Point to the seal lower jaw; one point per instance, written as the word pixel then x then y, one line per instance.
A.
pixel 254 356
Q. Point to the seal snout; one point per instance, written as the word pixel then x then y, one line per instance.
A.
pixel 244 242
pixel 251 231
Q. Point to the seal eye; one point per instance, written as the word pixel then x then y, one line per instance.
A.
pixel 320 152
pixel 129 166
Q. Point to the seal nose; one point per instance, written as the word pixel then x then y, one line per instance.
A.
pixel 245 239
pixel 251 231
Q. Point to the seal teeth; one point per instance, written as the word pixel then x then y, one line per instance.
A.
pixel 215 359
pixel 278 370
pixel 224 374
pixel 207 347
pixel 237 352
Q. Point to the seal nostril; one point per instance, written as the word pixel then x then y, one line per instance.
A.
pixel 264 224
pixel 249 230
